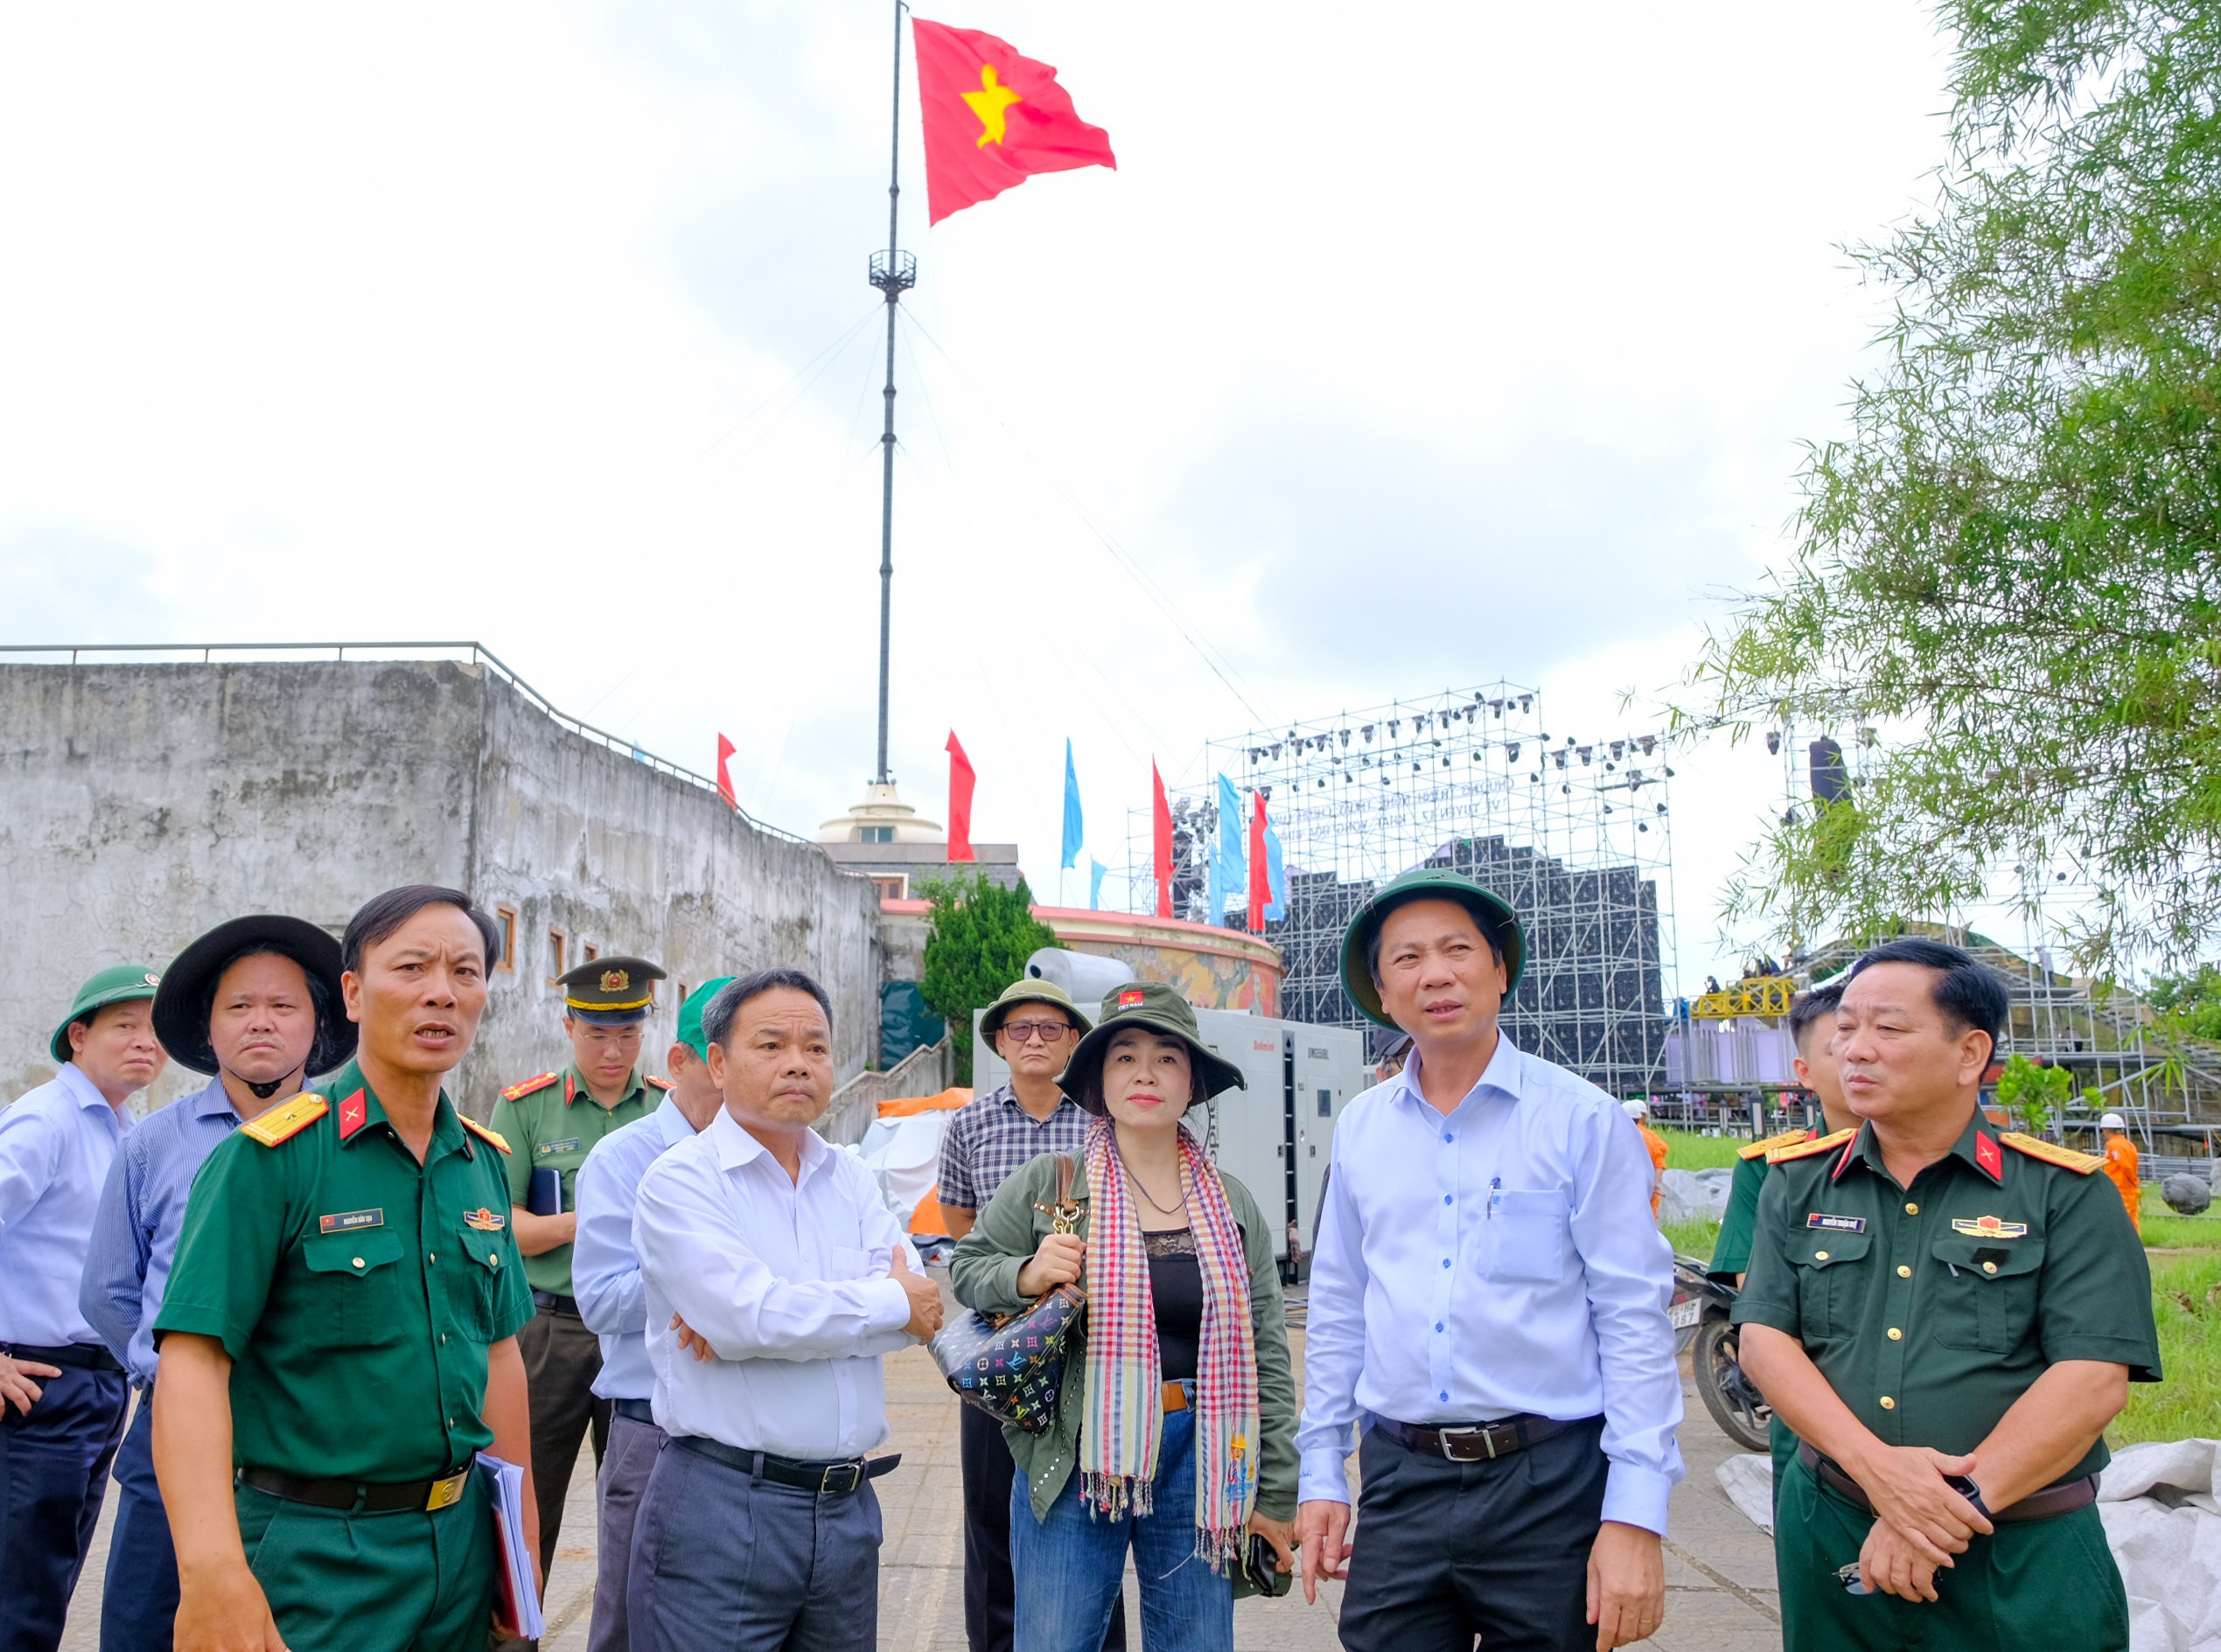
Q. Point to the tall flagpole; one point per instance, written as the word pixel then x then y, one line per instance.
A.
pixel 893 272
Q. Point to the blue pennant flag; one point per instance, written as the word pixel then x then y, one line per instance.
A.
pixel 1096 870
pixel 1229 879
pixel 1275 877
pixel 1075 834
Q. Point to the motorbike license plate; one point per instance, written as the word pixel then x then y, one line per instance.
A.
pixel 1685 1313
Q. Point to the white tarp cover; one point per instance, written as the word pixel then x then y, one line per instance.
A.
pixel 2163 1521
pixel 2163 1524
pixel 1694 1196
pixel 904 1157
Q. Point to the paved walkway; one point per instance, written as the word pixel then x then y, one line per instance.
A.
pixel 1719 1576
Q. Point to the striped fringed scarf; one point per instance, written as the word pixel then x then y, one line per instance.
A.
pixel 1119 1440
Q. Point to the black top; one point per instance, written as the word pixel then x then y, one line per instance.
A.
pixel 1176 1288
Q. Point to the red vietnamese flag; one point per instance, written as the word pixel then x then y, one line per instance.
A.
pixel 725 749
pixel 960 801
pixel 1160 819
pixel 993 119
pixel 1260 888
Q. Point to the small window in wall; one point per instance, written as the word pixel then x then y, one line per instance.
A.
pixel 684 990
pixel 892 888
pixel 555 955
pixel 505 920
pixel 876 834
pixel 593 952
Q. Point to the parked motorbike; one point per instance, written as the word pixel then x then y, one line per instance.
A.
pixel 1701 1311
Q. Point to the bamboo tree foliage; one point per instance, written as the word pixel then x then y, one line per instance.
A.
pixel 2011 558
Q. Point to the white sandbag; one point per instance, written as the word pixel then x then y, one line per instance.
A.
pixel 2163 1524
pixel 1694 1196
pixel 1748 1481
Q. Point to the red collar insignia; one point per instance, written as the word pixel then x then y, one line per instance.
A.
pixel 355 1112
pixel 1844 1163
pixel 1990 1156
pixel 570 1088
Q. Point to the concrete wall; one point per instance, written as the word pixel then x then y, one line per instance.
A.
pixel 140 805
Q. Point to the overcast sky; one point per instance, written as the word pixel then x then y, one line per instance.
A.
pixel 1408 347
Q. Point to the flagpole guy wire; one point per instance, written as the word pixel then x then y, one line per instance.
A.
pixel 893 272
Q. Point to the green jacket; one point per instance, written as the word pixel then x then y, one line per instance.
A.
pixel 984 1275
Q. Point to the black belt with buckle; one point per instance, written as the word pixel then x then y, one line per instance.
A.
pixel 555 1304
pixel 1476 1442
pixel 86 1356
pixel 638 1410
pixel 354 1496
pixel 2062 1498
pixel 827 1480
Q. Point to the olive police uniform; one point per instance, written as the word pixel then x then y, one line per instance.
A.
pixel 1931 1309
pixel 357 1293
pixel 552 1122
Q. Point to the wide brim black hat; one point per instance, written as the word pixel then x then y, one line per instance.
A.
pixel 181 1002
pixel 1160 1009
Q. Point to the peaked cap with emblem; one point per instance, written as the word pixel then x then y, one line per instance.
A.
pixel 1491 911
pixel 117 985
pixel 181 1006
pixel 611 992
pixel 1160 1009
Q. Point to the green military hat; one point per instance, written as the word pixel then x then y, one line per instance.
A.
pixel 1160 1009
pixel 690 1033
pixel 1028 990
pixel 611 992
pixel 117 985
pixel 1491 911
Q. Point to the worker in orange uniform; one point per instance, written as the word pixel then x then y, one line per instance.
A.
pixel 1640 1112
pixel 2120 1166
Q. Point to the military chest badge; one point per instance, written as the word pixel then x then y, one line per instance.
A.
pixel 349 1221
pixel 484 1220
pixel 1836 1224
pixel 1989 1228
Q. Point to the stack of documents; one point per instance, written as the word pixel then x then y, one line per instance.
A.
pixel 514 1593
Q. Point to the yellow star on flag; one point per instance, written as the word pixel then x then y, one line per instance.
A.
pixel 989 103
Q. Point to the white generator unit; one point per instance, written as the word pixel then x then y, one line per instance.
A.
pixel 1276 1137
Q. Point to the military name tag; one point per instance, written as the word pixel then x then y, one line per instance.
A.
pixel 484 1220
pixel 1836 1224
pixel 1989 1228
pixel 348 1221
pixel 569 1144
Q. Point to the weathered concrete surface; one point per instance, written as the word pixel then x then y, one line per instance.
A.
pixel 140 805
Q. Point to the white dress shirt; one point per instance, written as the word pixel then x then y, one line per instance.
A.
pixel 604 1269
pixel 1498 1259
pixel 787 1281
pixel 56 1144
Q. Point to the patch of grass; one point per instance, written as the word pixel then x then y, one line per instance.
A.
pixel 1687 1150
pixel 2186 1301
pixel 1692 1238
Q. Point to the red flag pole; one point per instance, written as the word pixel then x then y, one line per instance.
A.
pixel 725 749
pixel 1163 823
pixel 961 778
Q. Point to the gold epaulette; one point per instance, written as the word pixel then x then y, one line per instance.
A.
pixel 1807 1149
pixel 287 1120
pixel 482 1132
pixel 1787 1139
pixel 515 1091
pixel 2050 1152
pixel 659 1083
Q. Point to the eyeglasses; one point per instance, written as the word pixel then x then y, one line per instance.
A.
pixel 1025 1032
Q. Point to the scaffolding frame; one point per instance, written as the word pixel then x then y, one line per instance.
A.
pixel 1575 833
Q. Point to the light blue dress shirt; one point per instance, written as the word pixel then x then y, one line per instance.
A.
pixel 604 1269
pixel 56 1144
pixel 142 1212
pixel 1498 1259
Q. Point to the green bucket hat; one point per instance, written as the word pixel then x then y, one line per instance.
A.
pixel 1153 1005
pixel 1492 912
pixel 690 1033
pixel 118 985
pixel 1029 990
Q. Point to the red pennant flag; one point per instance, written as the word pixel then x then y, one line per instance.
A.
pixel 1260 885
pixel 960 801
pixel 993 119
pixel 725 749
pixel 1162 821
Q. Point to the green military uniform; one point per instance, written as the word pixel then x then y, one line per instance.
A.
pixel 1931 1309
pixel 357 1293
pixel 552 1123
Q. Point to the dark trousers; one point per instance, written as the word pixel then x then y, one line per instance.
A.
pixel 139 1599
pixel 562 1359
pixel 722 1559
pixel 989 1597
pixel 633 1446
pixel 53 1473
pixel 1446 1552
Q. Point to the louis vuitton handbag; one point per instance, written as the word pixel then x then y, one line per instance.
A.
pixel 1011 1366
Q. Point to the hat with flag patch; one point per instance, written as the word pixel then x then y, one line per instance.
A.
pixel 611 992
pixel 1158 1007
pixel 117 985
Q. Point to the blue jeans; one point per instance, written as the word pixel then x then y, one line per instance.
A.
pixel 139 1600
pixel 1070 1568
